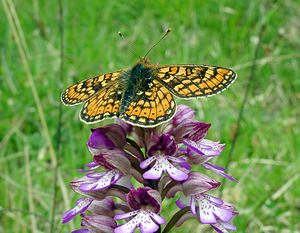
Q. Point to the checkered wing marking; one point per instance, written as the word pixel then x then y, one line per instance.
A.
pixel 190 81
pixel 104 104
pixel 151 107
pixel 83 90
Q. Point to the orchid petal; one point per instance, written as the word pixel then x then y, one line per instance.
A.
pixel 143 220
pixel 175 173
pixel 205 212
pixel 126 215
pixel 83 230
pixel 155 172
pixel 103 182
pixel 193 205
pixel 81 205
pixel 157 218
pixel 147 162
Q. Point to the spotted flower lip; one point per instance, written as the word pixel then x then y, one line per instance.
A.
pixel 206 208
pixel 210 209
pixel 146 204
pixel 146 220
pixel 162 153
pixel 162 163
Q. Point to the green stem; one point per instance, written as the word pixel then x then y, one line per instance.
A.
pixel 136 146
pixel 175 219
pixel 167 188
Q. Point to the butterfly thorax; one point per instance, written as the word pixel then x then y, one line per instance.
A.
pixel 136 81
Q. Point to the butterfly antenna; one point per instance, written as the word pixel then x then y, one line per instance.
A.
pixel 153 46
pixel 129 44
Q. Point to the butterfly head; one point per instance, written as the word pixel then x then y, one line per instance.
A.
pixel 144 60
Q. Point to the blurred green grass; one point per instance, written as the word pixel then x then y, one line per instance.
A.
pixel 266 157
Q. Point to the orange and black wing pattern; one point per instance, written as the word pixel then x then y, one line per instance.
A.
pixel 194 81
pixel 104 104
pixel 152 107
pixel 83 90
pixel 152 102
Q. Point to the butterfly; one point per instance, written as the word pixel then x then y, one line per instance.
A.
pixel 143 95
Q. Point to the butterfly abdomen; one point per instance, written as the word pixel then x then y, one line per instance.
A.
pixel 136 83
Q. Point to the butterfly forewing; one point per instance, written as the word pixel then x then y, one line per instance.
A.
pixel 152 107
pixel 191 81
pixel 82 91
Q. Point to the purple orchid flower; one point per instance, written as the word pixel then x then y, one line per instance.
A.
pixel 146 206
pixel 161 160
pixel 162 153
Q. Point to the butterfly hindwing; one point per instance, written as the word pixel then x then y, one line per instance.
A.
pixel 104 104
pixel 82 91
pixel 190 81
pixel 152 107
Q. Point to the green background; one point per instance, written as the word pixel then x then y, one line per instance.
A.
pixel 265 159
